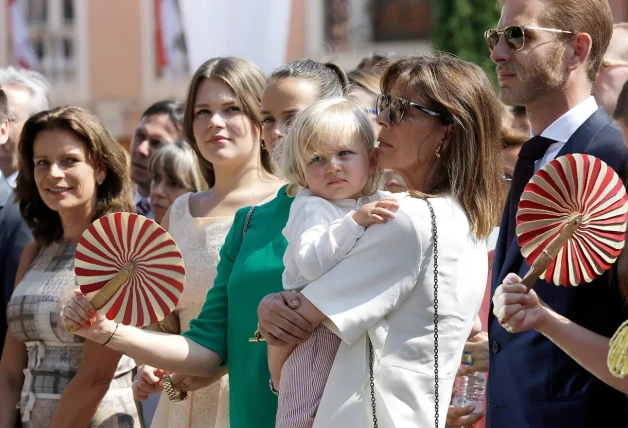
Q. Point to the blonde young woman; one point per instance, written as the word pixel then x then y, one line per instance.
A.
pixel 222 123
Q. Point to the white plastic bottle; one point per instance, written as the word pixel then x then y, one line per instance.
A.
pixel 469 389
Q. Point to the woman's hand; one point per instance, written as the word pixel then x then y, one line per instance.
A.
pixel 477 346
pixel 463 416
pixel 279 323
pixel 147 382
pixel 516 309
pixel 79 314
pixel 185 383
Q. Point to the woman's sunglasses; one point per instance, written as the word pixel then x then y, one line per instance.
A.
pixel 397 108
pixel 515 36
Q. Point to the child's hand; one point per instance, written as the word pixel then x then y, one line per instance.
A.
pixel 376 212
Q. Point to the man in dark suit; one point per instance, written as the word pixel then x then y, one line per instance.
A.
pixel 14 234
pixel 548 363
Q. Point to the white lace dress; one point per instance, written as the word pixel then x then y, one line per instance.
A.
pixel 199 240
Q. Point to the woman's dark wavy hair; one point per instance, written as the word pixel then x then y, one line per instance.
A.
pixel 113 195
pixel 462 92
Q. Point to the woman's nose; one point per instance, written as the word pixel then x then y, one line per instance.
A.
pixel 383 118
pixel 278 132
pixel 156 188
pixel 55 171
pixel 216 121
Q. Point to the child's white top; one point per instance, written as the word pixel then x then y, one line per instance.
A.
pixel 319 233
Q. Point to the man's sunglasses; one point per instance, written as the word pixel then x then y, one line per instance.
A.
pixel 397 109
pixel 609 63
pixel 515 36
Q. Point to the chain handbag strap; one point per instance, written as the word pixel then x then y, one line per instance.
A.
pixel 435 236
pixel 247 221
pixel 372 378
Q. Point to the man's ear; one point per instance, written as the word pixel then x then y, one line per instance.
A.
pixel 4 132
pixel 581 51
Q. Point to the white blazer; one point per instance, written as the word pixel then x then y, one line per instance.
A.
pixel 384 288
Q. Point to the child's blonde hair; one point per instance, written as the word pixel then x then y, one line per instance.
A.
pixel 316 130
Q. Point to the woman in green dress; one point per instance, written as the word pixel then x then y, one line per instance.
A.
pixel 251 265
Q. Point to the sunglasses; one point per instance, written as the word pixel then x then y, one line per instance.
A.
pixel 608 63
pixel 397 109
pixel 515 36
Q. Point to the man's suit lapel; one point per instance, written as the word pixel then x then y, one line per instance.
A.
pixel 578 143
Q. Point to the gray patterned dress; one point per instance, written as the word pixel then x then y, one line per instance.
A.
pixel 54 355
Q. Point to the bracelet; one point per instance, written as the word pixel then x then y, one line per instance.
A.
pixel 172 394
pixel 112 334
pixel 272 388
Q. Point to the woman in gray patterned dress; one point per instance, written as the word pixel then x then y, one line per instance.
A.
pixel 72 172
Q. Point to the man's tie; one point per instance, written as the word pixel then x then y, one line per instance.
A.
pixel 142 207
pixel 531 151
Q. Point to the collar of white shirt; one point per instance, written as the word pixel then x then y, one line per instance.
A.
pixel 139 197
pixel 564 127
pixel 12 179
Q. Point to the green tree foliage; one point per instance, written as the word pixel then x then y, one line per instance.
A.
pixel 459 27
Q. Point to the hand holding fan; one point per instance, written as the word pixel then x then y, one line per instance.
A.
pixel 571 220
pixel 130 268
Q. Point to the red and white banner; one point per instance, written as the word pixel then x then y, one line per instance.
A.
pixel 23 53
pixel 170 43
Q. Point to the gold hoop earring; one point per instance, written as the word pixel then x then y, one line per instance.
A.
pixel 438 153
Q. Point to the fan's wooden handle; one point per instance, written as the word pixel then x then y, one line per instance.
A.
pixel 108 290
pixel 545 258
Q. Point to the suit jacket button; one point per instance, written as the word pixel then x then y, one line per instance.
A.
pixel 495 347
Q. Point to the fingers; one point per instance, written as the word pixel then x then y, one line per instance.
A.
pixel 506 313
pixel 78 312
pixel 278 322
pixel 454 413
pixel 389 203
pixel 463 417
pixel 84 303
pixel 274 333
pixel 71 318
pixel 303 327
pixel 509 288
pixel 179 382
pixel 382 212
pixel 291 299
pixel 70 324
pixel 272 340
pixel 512 278
pixel 147 381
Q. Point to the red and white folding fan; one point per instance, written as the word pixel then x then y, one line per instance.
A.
pixel 571 220
pixel 130 268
